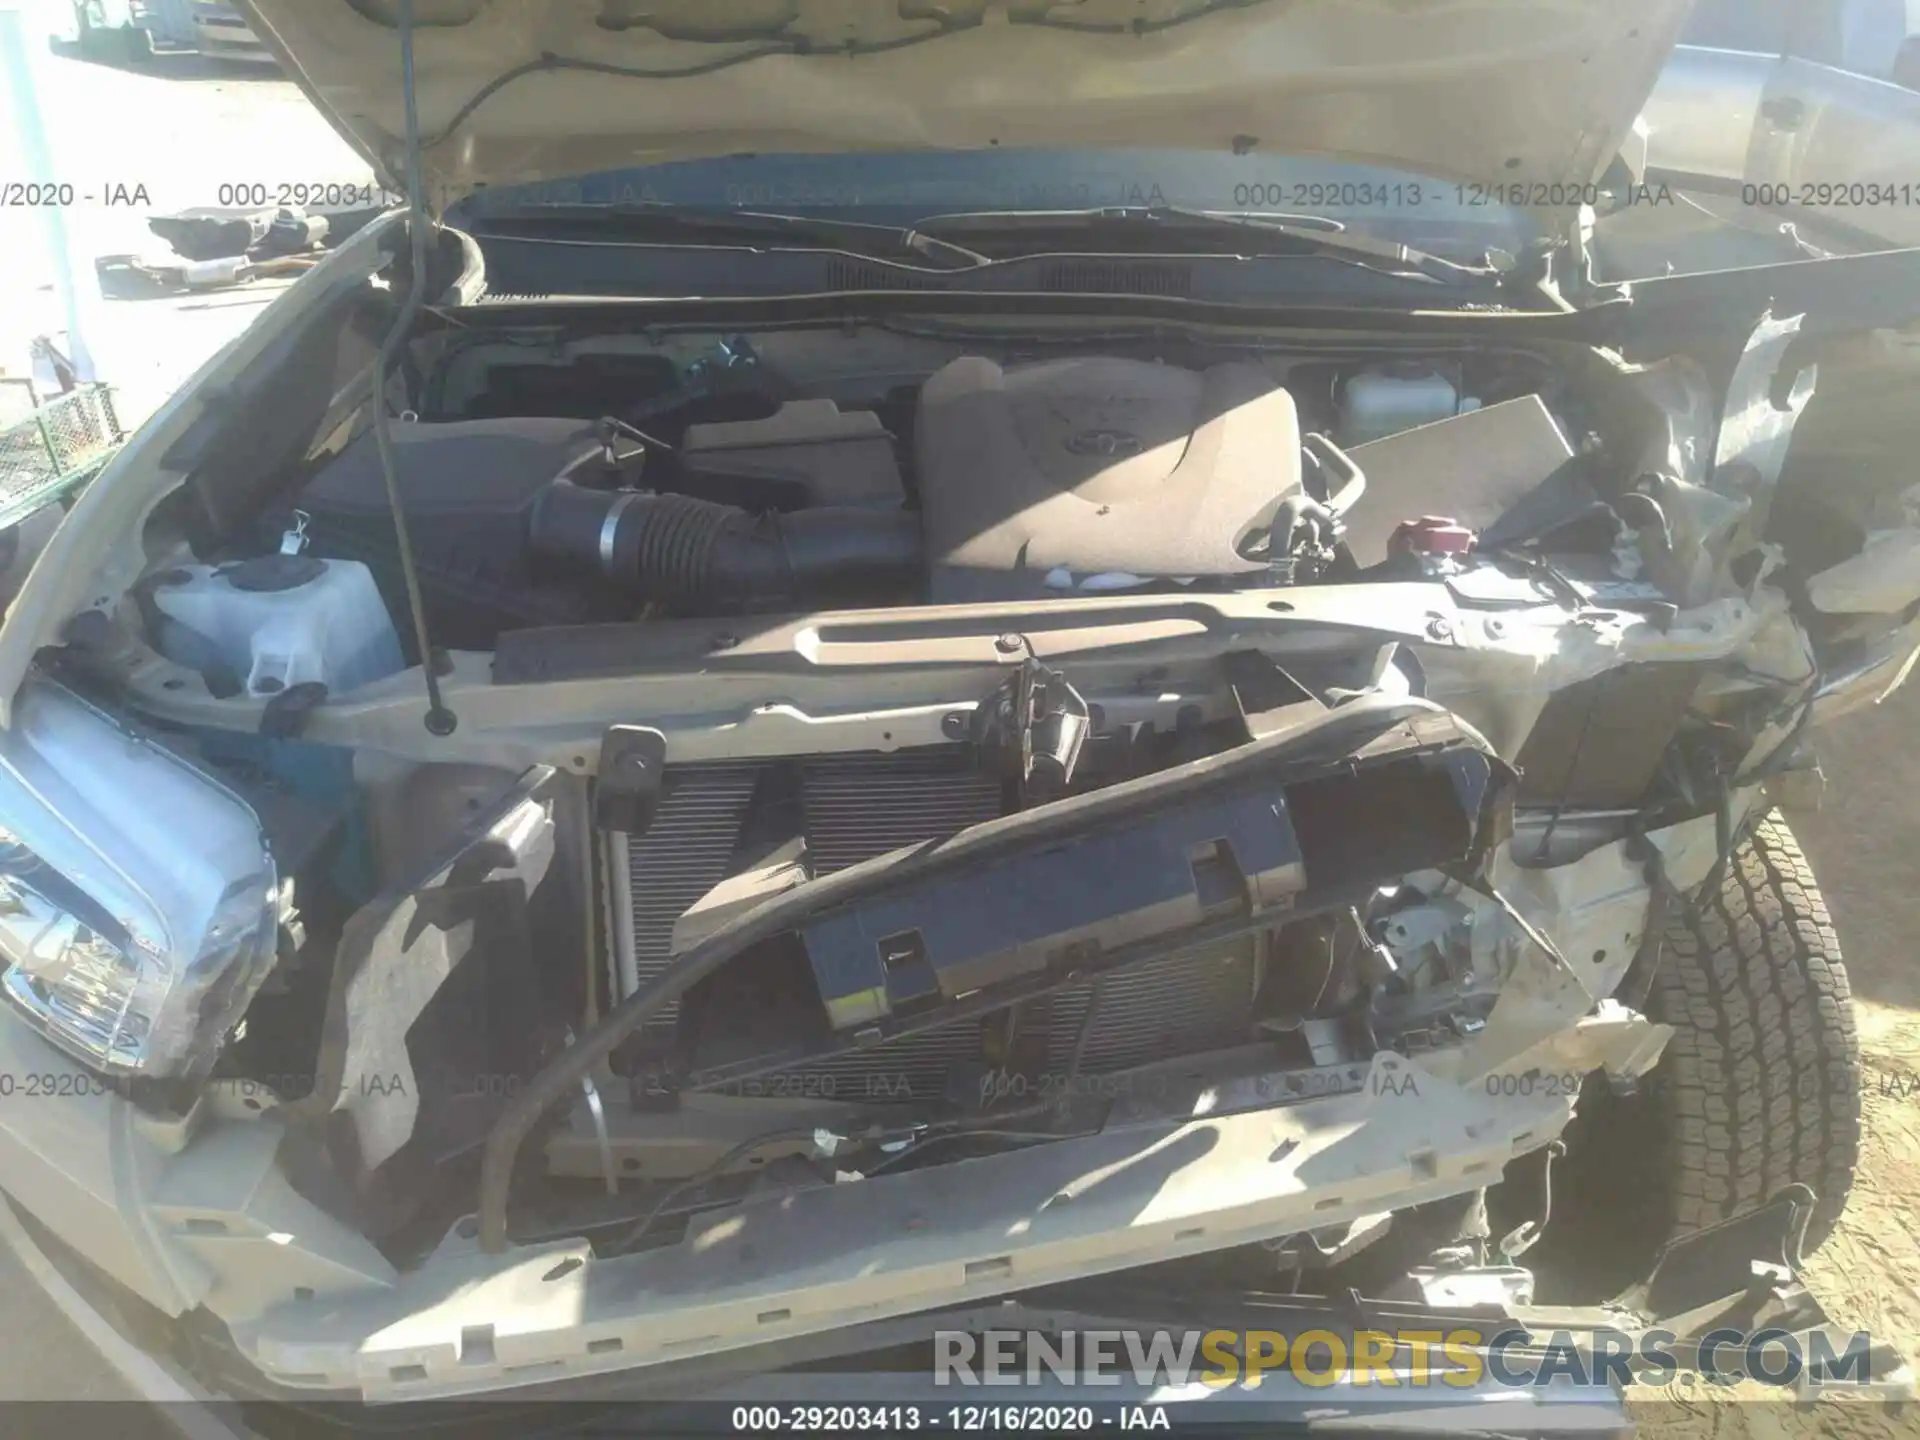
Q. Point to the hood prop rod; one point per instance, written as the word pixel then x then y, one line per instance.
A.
pixel 439 719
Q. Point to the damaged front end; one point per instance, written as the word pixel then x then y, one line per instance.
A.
pixel 1269 996
pixel 1025 854
pixel 1180 1012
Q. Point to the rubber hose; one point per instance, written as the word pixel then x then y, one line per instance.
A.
pixel 681 549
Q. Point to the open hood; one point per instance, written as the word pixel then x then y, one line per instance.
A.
pixel 523 90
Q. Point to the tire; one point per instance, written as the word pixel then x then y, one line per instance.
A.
pixel 1760 1085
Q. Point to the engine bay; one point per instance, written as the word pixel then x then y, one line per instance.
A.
pixel 603 482
pixel 885 763
pixel 624 496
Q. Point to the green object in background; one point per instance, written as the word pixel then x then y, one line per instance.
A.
pixel 50 448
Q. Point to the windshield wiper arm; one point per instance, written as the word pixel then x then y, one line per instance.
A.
pixel 1307 235
pixel 717 227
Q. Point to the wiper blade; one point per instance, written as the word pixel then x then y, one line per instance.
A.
pixel 718 227
pixel 1306 235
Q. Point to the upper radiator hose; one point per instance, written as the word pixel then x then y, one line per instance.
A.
pixel 678 548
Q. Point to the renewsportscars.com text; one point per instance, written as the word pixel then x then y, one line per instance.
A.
pixel 1463 1358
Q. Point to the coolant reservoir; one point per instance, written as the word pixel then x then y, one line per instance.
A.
pixel 1384 401
pixel 279 621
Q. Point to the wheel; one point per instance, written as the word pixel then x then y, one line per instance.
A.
pixel 1759 1087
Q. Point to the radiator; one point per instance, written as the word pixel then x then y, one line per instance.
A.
pixel 657 876
pixel 855 807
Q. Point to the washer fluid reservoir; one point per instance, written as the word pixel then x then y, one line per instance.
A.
pixel 279 621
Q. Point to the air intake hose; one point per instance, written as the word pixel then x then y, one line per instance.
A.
pixel 680 549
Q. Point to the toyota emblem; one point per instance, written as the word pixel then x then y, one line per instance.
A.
pixel 1115 444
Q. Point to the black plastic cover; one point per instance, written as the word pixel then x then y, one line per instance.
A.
pixel 1286 844
pixel 1027 914
pixel 1598 743
pixel 466 486
pixel 437 1011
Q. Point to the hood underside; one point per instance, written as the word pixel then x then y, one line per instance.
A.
pixel 522 90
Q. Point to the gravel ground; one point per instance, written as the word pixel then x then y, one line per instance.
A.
pixel 184 128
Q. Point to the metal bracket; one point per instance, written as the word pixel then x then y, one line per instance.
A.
pixel 1032 728
pixel 1720 1260
pixel 285 715
pixel 1270 699
pixel 626 794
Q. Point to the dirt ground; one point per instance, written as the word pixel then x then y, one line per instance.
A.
pixel 1865 846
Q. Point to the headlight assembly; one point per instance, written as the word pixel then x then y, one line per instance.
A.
pixel 137 895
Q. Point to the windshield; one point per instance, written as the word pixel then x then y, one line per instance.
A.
pixel 907 188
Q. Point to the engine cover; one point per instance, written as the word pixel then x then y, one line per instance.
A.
pixel 1096 473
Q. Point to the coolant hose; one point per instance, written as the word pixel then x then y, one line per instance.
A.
pixel 678 548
